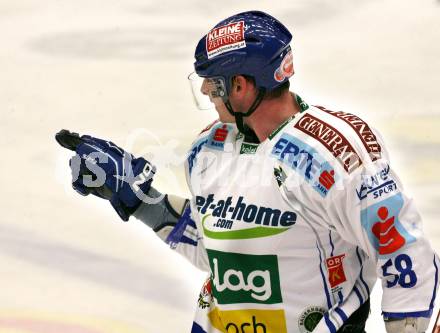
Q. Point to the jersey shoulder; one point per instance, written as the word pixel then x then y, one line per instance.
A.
pixel 342 138
pixel 214 137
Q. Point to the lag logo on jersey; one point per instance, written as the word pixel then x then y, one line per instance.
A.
pixel 306 161
pixel 235 219
pixel 244 278
pixel 225 38
pixel 385 232
pixel 377 185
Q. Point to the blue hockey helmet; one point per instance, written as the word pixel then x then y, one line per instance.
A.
pixel 251 43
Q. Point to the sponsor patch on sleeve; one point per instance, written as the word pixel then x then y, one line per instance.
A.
pixel 307 162
pixel 384 229
pixel 377 185
pixel 218 136
pixel 225 38
pixel 335 268
pixel 363 131
pixel 332 139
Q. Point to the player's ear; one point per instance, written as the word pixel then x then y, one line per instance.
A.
pixel 239 85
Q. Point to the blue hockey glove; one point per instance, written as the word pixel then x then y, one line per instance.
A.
pixel 103 169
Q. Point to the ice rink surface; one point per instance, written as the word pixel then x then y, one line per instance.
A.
pixel 117 70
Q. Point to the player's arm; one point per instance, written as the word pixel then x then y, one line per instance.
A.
pixel 372 210
pixel 103 169
pixel 172 220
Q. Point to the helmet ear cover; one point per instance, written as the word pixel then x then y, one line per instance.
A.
pixel 216 87
pixel 220 87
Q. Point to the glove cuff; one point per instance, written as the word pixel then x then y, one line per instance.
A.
pixel 123 211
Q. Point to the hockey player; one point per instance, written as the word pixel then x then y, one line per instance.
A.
pixel 295 210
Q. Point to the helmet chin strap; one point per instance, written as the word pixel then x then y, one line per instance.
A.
pixel 249 134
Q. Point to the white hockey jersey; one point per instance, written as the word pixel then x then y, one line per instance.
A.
pixel 295 230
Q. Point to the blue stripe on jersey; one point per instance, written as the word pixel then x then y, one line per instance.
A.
pixel 331 242
pixel 176 235
pixel 187 240
pixel 361 300
pixel 426 314
pixel 329 324
pixel 329 303
pixel 341 314
pixel 192 154
pixel 341 296
pixel 191 223
pixel 196 328
pixel 431 305
pixel 362 268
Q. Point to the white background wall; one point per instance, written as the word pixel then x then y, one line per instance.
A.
pixel 117 70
